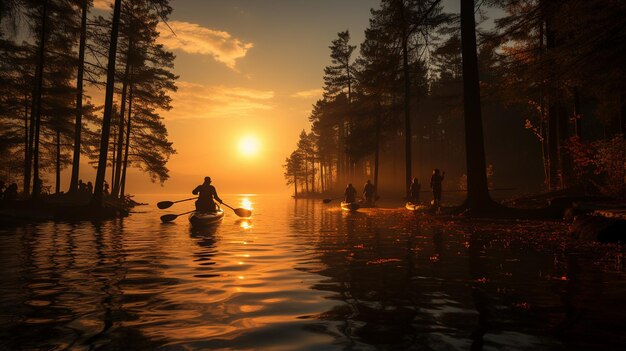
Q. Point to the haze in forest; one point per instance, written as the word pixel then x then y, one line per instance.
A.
pixel 252 94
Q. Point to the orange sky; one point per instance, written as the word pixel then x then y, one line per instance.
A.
pixel 247 68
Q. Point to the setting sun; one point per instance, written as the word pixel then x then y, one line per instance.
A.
pixel 249 146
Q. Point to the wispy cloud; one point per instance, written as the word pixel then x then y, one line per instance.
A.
pixel 102 4
pixel 307 94
pixel 195 39
pixel 200 101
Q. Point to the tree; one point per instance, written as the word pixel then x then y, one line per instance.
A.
pixel 293 170
pixel 338 82
pixel 108 107
pixel 478 198
pixel 78 124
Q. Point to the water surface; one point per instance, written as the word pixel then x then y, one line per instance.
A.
pixel 301 275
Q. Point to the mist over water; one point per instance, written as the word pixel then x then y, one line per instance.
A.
pixel 304 275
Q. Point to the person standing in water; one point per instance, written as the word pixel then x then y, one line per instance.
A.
pixel 350 194
pixel 435 184
pixel 414 191
pixel 206 196
pixel 368 192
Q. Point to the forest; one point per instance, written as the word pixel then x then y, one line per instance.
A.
pixel 58 58
pixel 532 98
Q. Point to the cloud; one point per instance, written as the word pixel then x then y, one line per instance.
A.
pixel 307 94
pixel 195 39
pixel 200 101
pixel 102 4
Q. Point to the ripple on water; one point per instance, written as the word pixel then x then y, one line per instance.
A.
pixel 303 275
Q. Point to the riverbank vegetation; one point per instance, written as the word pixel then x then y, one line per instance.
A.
pixel 53 53
pixel 534 97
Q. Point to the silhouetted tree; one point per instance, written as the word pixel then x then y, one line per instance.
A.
pixel 478 198
pixel 108 106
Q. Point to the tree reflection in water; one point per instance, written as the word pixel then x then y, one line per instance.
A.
pixel 406 281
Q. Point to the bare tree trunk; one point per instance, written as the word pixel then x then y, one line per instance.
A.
pixel 553 111
pixel 478 198
pixel 295 186
pixel 377 152
pixel 407 102
pixel 120 133
pixel 26 145
pixel 78 127
pixel 57 188
pixel 127 145
pixel 36 111
pixel 108 107
pixel 114 151
pixel 306 176
pixel 313 175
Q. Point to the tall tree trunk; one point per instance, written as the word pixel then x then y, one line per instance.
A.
pixel 407 102
pixel 57 187
pixel 313 175
pixel 377 152
pixel 120 128
pixel 108 107
pixel 78 124
pixel 26 145
pixel 553 109
pixel 341 152
pixel 306 176
pixel 36 111
pixel 295 186
pixel 127 144
pixel 543 129
pixel 478 198
pixel 117 167
pixel 114 151
pixel 622 111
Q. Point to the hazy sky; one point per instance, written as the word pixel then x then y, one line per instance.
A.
pixel 247 69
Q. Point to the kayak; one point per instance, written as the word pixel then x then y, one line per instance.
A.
pixel 349 206
pixel 415 207
pixel 199 219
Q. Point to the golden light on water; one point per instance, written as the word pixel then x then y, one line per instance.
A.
pixel 249 146
pixel 246 203
pixel 245 224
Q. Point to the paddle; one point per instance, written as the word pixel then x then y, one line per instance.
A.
pixel 167 204
pixel 170 217
pixel 241 212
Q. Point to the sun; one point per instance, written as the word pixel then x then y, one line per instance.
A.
pixel 249 146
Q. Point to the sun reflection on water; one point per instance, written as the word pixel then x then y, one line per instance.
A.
pixel 245 224
pixel 246 203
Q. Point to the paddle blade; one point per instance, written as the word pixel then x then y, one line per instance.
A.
pixel 168 218
pixel 165 204
pixel 242 212
pixel 327 200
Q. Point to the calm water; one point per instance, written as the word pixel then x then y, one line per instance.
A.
pixel 301 275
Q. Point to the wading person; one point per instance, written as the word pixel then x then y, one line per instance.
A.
pixel 350 194
pixel 414 191
pixel 206 196
pixel 435 184
pixel 368 192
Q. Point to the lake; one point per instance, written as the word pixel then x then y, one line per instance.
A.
pixel 302 275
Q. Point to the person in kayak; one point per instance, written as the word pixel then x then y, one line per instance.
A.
pixel 206 196
pixel 350 194
pixel 368 192
pixel 414 192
